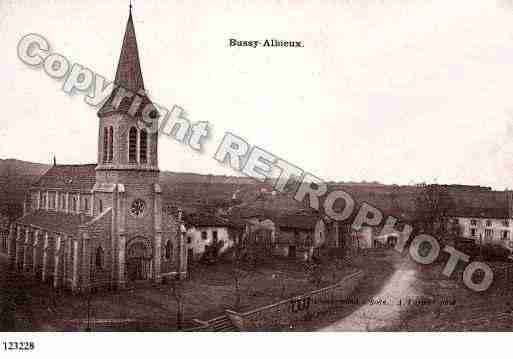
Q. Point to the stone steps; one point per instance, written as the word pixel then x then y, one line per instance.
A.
pixel 222 324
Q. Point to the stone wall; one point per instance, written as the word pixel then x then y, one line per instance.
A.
pixel 282 314
pixel 99 236
pixel 4 238
pixel 169 266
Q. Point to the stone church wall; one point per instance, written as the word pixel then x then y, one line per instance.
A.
pixel 99 233
pixel 169 266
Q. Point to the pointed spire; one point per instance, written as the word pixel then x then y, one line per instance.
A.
pixel 54 160
pixel 128 73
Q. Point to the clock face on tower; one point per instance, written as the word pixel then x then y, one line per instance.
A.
pixel 137 208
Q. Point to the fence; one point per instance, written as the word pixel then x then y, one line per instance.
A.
pixel 4 237
pixel 282 314
pixel 502 274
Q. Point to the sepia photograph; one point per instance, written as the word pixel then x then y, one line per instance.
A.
pixel 184 168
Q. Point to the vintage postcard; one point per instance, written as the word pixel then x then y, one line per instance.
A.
pixel 255 166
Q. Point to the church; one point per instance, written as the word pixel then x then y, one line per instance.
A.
pixel 102 225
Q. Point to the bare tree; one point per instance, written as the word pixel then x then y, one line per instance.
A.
pixel 314 272
pixel 239 257
pixel 433 206
pixel 178 296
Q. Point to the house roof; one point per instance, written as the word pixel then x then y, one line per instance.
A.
pixel 192 216
pixel 297 221
pixel 70 177
pixel 202 219
pixel 282 209
pixel 55 221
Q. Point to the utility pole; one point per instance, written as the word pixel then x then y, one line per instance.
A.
pixel 177 284
pixel 88 328
pixel 481 246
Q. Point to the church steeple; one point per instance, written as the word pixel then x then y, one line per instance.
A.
pixel 125 141
pixel 128 73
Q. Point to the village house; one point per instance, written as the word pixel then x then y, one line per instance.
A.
pixel 211 234
pixel 290 230
pixel 473 212
pixel 486 217
pixel 299 235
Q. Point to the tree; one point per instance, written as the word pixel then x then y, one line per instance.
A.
pixel 434 205
pixel 314 271
pixel 237 274
pixel 258 246
pixel 212 251
pixel 239 256
pixel 178 296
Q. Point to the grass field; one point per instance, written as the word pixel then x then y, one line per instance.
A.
pixel 207 294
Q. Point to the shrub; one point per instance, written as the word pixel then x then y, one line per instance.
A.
pixel 488 251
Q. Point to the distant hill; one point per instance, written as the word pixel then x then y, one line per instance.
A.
pixel 202 190
pixel 177 177
pixel 214 191
pixel 15 177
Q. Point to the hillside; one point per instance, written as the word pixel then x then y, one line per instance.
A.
pixel 15 177
pixel 212 191
pixel 202 190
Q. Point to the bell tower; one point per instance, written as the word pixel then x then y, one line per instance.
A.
pixel 127 174
pixel 127 138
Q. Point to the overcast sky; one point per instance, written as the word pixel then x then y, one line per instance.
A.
pixel 391 91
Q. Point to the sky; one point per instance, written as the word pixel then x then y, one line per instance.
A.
pixel 394 91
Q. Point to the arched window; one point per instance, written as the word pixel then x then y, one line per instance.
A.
pixel 99 258
pixel 51 200
pixel 111 143
pixel 73 203
pixel 43 200
pixel 86 204
pixel 34 201
pixel 143 146
pixel 169 249
pixel 100 206
pixel 132 145
pixel 105 145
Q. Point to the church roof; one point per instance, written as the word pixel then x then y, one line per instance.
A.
pixel 69 177
pixel 128 74
pixel 55 221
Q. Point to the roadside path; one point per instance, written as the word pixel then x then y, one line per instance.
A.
pixel 385 307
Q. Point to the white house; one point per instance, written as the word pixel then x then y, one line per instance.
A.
pixel 487 230
pixel 205 230
pixel 486 217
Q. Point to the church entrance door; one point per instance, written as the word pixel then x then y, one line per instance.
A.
pixel 138 263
